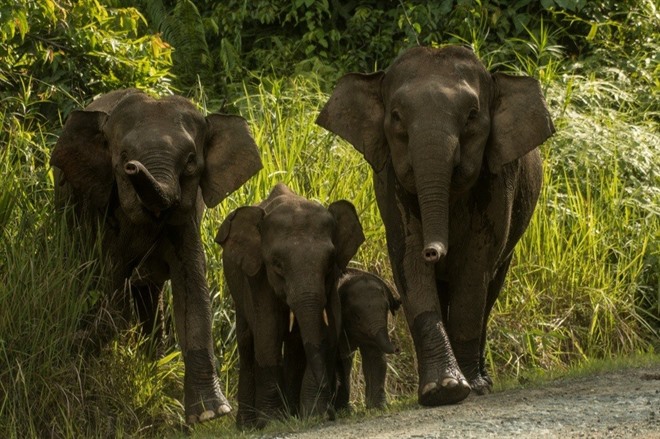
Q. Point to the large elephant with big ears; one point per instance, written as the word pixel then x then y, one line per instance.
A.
pixel 142 169
pixel 457 174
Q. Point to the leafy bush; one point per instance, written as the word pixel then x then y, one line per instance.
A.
pixel 223 43
pixel 56 55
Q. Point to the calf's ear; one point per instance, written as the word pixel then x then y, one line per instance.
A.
pixel 240 238
pixel 348 234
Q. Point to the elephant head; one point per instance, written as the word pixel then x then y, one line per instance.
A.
pixel 157 153
pixel 441 119
pixel 366 300
pixel 298 248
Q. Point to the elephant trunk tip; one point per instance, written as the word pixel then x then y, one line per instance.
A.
pixel 434 251
pixel 131 168
pixel 154 195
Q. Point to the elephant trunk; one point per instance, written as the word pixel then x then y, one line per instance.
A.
pixel 384 343
pixel 155 196
pixel 315 393
pixel 433 174
pixel 312 328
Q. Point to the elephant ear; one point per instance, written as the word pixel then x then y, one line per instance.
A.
pixel 82 153
pixel 392 301
pixel 240 238
pixel 348 233
pixel 231 157
pixel 520 120
pixel 356 113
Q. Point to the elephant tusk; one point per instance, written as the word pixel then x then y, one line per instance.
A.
pixel 325 318
pixel 292 319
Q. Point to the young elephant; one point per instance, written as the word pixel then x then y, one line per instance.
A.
pixel 282 259
pixel 457 173
pixel 365 302
pixel 142 169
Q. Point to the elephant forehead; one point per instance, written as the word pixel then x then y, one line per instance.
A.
pixel 144 136
pixel 433 90
pixel 301 224
pixel 168 115
pixel 365 290
pixel 421 61
pixel 300 213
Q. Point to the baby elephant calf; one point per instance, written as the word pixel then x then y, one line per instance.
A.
pixel 365 301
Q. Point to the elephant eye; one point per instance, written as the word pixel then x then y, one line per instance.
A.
pixel 278 267
pixel 395 116
pixel 191 164
pixel 473 114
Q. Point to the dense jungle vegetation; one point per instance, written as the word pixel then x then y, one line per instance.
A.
pixel 585 282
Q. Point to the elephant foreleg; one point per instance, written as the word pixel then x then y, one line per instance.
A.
pixel 203 398
pixel 472 291
pixel 344 366
pixel 246 415
pixel 374 368
pixel 268 321
pixel 440 378
pixel 294 369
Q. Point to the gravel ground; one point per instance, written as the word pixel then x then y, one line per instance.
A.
pixel 619 404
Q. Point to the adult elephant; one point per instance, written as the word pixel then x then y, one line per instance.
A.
pixel 282 259
pixel 457 174
pixel 143 169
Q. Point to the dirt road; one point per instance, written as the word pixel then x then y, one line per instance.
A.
pixel 621 404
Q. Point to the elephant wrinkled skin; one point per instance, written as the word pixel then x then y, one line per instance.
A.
pixel 457 174
pixel 282 259
pixel 366 300
pixel 143 169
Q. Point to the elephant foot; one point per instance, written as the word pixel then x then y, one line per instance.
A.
pixel 472 364
pixel 203 400
pixel 448 390
pixel 481 386
pixel 440 379
pixel 207 408
pixel 245 419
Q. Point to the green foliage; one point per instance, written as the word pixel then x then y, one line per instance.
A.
pixel 182 27
pixel 62 53
pixel 222 42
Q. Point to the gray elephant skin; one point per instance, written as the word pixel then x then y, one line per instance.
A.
pixel 282 259
pixel 143 169
pixel 366 300
pixel 457 174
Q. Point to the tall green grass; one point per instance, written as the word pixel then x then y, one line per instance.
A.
pixel 51 289
pixel 583 285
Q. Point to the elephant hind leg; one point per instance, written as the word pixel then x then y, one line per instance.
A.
pixel 149 306
pixel 494 289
